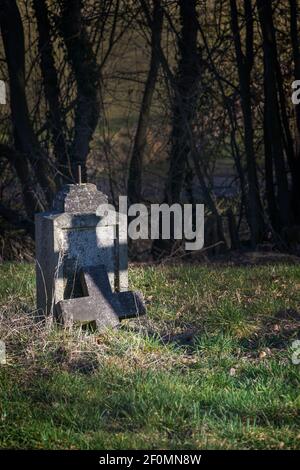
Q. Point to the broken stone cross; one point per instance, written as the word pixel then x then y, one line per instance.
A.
pixel 72 236
pixel 100 304
pixel 81 260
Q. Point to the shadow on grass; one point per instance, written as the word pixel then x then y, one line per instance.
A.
pixel 276 332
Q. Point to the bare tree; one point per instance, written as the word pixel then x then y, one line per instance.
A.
pixel 295 167
pixel 136 163
pixel 184 99
pixel 87 74
pixel 273 134
pixel 244 66
pixel 30 162
pixel 56 121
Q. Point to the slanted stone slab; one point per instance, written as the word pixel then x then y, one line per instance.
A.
pixel 88 309
pixel 131 304
pixel 95 283
pixel 100 304
pixel 128 304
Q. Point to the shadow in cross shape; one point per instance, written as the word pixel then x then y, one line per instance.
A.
pixel 87 243
pixel 100 304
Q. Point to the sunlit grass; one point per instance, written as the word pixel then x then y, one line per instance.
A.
pixel 210 366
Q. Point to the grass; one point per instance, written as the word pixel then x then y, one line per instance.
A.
pixel 209 368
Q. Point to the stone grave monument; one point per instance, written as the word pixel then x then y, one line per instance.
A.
pixel 81 261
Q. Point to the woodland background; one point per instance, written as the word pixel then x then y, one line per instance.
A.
pixel 164 100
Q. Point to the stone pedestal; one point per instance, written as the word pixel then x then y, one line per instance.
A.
pixel 70 237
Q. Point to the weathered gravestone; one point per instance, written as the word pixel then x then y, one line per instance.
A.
pixel 81 260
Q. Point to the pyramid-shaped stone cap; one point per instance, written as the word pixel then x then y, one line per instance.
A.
pixel 79 198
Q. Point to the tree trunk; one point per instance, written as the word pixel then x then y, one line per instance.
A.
pixel 87 75
pixel 28 157
pixel 296 58
pixel 244 65
pixel 51 87
pixel 273 136
pixel 269 180
pixel 136 163
pixel 185 99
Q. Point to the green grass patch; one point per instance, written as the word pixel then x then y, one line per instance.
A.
pixel 209 368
